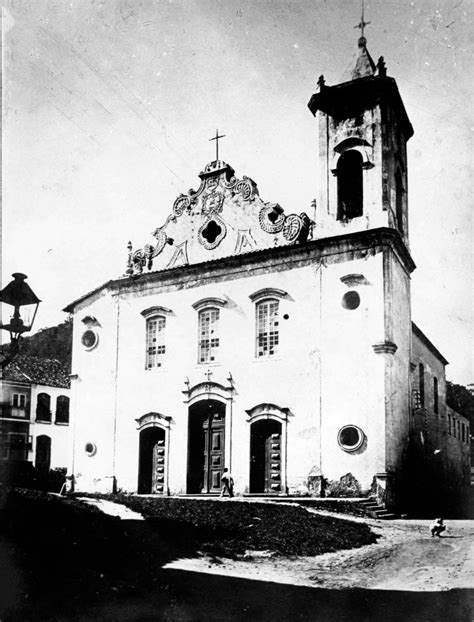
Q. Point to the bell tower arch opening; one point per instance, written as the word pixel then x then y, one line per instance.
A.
pixel 350 192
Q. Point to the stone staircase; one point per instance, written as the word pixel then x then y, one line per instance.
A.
pixel 376 510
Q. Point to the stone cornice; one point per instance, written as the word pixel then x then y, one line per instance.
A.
pixel 385 347
pixel 364 242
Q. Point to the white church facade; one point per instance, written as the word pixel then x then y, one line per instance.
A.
pixel 276 344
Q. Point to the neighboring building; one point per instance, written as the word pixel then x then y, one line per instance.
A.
pixel 441 437
pixel 275 345
pixel 34 416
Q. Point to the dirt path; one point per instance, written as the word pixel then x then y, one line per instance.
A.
pixel 405 558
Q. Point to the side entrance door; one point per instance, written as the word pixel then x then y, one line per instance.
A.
pixel 265 457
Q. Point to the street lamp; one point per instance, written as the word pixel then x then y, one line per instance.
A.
pixel 25 303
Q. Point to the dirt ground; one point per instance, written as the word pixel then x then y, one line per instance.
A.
pixel 405 557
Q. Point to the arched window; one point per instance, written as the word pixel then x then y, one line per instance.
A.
pixel 421 381
pixel 43 407
pixel 435 395
pixel 399 192
pixel 155 341
pixel 208 336
pixel 349 185
pixel 62 409
pixel 267 321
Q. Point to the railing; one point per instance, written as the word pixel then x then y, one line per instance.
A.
pixel 14 412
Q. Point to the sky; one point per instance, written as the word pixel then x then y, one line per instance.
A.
pixel 108 108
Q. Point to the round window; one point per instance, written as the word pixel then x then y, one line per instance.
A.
pixel 90 449
pixel 90 339
pixel 350 438
pixel 351 300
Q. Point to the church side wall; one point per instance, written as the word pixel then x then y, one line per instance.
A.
pixel 397 364
pixel 352 373
pixel 93 397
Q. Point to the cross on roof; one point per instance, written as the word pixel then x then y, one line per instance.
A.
pixel 362 24
pixel 216 138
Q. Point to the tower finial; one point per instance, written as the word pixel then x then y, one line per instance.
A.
pixel 362 24
pixel 365 66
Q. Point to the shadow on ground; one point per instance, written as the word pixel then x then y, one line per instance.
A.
pixel 61 561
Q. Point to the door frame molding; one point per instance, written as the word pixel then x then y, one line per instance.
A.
pixel 210 390
pixel 268 410
pixel 156 420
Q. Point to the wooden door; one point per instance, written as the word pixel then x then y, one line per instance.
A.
pixel 152 461
pixel 214 438
pixel 43 454
pixel 265 457
pixel 273 463
pixel 158 468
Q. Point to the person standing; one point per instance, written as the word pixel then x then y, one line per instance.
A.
pixel 227 483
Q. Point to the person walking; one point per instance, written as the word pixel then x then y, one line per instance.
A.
pixel 227 483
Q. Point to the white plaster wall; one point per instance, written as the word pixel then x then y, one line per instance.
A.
pixel 321 345
pixel 93 396
pixel 398 331
pixel 352 373
pixel 330 134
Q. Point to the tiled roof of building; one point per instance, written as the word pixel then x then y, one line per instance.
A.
pixel 49 372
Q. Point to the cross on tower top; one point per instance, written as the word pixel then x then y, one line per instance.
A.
pixel 216 138
pixel 362 24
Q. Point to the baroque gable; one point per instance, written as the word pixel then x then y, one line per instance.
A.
pixel 224 217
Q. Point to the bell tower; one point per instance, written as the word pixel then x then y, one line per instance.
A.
pixel 363 130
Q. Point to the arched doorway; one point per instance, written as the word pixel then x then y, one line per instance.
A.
pixel 206 446
pixel 43 454
pixel 151 468
pixel 265 456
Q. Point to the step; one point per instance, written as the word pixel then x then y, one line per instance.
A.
pixel 385 515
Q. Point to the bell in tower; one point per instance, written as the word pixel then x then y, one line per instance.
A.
pixel 363 130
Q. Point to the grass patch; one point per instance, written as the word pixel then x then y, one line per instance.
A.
pixel 231 528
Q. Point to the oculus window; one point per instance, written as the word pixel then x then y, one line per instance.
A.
pixel 350 438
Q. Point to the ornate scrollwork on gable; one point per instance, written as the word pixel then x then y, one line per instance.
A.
pixel 296 228
pixel 212 203
pixel 271 218
pixel 246 187
pixel 182 203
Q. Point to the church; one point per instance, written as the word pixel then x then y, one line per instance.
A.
pixel 277 345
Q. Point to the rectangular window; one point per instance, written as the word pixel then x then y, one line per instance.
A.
pixel 19 400
pixel 421 382
pixel 155 342
pixel 208 335
pixel 435 395
pixel 267 328
pixel 449 425
pixel 463 433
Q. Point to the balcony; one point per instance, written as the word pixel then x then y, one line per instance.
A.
pixel 14 412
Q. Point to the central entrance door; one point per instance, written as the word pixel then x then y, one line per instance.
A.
pixel 265 456
pixel 206 439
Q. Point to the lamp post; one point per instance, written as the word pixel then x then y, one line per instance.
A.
pixel 19 295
